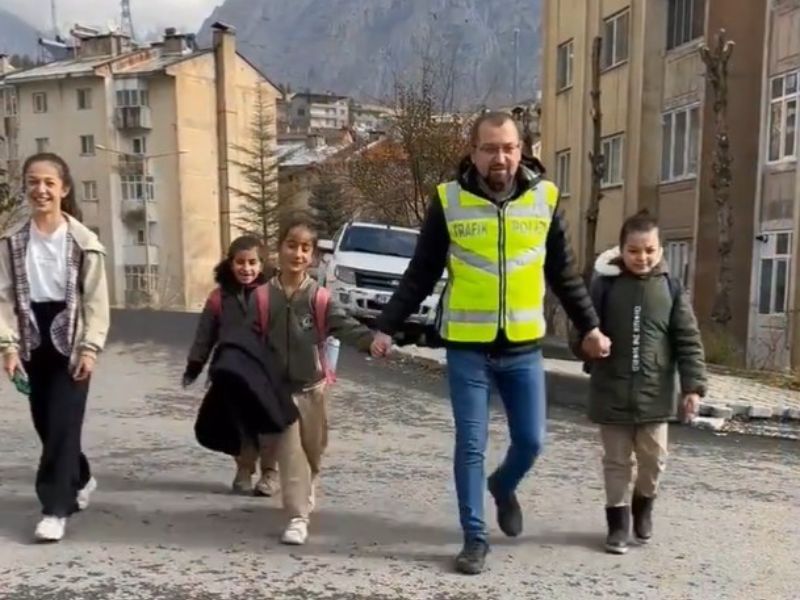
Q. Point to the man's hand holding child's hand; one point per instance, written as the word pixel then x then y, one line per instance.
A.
pixel 691 404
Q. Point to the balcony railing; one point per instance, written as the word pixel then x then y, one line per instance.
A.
pixel 133 117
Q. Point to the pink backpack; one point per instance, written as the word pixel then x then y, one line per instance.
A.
pixel 319 308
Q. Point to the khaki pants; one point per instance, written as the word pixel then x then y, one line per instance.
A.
pixel 629 447
pixel 267 453
pixel 300 451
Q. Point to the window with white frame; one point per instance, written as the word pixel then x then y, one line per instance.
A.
pixel 615 40
pixel 40 102
pixel 42 145
pixel 136 277
pixel 87 145
pixel 685 21
pixel 90 191
pixel 677 254
pixel 680 143
pixel 566 53
pixel 137 187
pixel 774 276
pixel 9 102
pixel 783 108
pixel 139 145
pixel 612 148
pixel 133 97
pixel 84 99
pixel 563 160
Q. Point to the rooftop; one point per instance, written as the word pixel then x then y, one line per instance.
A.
pixel 298 153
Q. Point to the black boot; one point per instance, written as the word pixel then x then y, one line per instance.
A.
pixel 509 514
pixel 472 558
pixel 619 525
pixel 642 509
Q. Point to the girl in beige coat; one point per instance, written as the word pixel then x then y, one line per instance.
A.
pixel 54 317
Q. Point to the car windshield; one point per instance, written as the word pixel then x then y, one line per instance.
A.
pixel 372 240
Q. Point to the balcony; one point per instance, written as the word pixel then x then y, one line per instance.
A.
pixel 136 255
pixel 133 118
pixel 131 164
pixel 133 210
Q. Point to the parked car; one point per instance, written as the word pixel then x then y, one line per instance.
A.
pixel 365 267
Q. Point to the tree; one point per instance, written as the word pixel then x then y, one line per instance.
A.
pixel 716 60
pixel 328 201
pixel 597 163
pixel 12 206
pixel 259 210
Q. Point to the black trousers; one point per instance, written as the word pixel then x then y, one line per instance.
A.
pixel 58 405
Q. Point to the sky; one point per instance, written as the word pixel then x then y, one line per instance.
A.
pixel 148 15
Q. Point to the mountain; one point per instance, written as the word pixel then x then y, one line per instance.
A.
pixel 359 48
pixel 17 36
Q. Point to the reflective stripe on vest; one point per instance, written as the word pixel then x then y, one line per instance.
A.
pixel 495 264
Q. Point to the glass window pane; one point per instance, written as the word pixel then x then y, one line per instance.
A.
pixel 666 146
pixel 781 274
pixel 694 141
pixel 775 118
pixel 698 18
pixel 782 244
pixel 622 37
pixel 608 45
pixel 765 287
pixel 679 152
pixel 791 83
pixel 790 132
pixel 777 87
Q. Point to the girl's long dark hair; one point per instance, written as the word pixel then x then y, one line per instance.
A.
pixel 68 204
pixel 223 272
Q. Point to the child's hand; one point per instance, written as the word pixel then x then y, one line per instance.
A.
pixel 691 404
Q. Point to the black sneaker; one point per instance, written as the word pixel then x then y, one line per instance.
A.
pixel 472 558
pixel 642 509
pixel 509 513
pixel 619 525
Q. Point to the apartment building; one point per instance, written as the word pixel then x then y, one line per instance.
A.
pixel 306 112
pixel 152 161
pixel 658 127
pixel 9 153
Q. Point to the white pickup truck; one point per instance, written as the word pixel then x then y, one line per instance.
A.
pixel 363 269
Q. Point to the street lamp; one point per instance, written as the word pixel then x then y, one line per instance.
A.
pixel 145 158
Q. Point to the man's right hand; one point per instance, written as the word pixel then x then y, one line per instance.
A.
pixel 10 363
pixel 596 345
pixel 381 345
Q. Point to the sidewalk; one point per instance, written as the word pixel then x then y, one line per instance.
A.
pixel 729 397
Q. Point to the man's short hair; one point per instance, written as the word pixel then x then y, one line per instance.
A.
pixel 494 118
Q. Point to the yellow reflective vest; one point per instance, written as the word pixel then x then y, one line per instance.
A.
pixel 495 264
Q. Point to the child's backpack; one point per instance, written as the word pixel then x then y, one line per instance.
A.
pixel 319 308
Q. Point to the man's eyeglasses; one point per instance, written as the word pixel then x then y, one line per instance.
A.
pixel 493 149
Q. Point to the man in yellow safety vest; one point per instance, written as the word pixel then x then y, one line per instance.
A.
pixel 498 231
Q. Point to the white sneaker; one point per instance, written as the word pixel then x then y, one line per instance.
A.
pixel 50 529
pixel 296 533
pixel 85 494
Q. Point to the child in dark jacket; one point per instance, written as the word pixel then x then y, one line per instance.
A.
pixel 654 333
pixel 297 337
pixel 229 306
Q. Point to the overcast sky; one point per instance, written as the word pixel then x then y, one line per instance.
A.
pixel 187 15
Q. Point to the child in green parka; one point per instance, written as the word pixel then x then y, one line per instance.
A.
pixel 633 395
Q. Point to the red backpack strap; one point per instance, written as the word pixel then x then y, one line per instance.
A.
pixel 262 308
pixel 214 302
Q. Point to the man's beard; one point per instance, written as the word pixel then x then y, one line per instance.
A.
pixel 499 181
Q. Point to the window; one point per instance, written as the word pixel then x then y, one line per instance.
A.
pixel 612 153
pixel 134 97
pixel 680 144
pixel 615 40
pixel 40 102
pixel 685 21
pixel 136 277
pixel 563 160
pixel 677 255
pixel 9 106
pixel 84 99
pixel 139 145
pixel 42 145
pixel 564 66
pixel 137 187
pixel 379 240
pixel 87 145
pixel 783 108
pixel 301 112
pixel 140 238
pixel 90 191
pixel 773 282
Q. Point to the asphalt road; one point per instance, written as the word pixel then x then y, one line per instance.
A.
pixel 163 525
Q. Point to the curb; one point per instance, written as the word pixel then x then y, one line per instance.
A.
pixel 717 418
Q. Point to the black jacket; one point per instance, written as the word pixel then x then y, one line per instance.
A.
pixel 430 259
pixel 247 396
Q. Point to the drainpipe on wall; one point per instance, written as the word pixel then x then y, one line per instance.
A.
pixel 224 41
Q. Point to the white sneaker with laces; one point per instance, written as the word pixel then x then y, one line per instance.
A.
pixel 85 494
pixel 296 532
pixel 50 529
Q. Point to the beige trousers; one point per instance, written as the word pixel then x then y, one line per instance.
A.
pixel 626 448
pixel 267 453
pixel 300 451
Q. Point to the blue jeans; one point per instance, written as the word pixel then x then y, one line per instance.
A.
pixel 520 380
